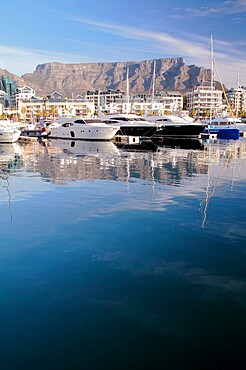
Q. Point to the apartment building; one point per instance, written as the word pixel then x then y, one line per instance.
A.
pixel 237 99
pixel 203 98
pixel 50 107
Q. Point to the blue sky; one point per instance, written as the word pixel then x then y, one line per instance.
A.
pixel 77 31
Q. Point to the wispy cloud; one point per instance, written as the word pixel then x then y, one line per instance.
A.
pixel 194 48
pixel 230 57
pixel 215 9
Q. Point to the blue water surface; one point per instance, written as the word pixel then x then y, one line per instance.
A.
pixel 122 258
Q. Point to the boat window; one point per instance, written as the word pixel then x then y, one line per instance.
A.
pixel 79 121
pixel 162 120
pixel 120 118
pixel 67 124
pixel 110 121
pixel 72 133
pixel 93 121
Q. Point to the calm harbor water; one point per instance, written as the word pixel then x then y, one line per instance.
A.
pixel 123 258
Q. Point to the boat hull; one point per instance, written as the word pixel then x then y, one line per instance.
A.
pixel 142 131
pixel 9 136
pixel 83 132
pixel 223 132
pixel 179 131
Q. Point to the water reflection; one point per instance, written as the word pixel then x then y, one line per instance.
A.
pixel 152 178
pixel 62 161
pixel 10 155
pixel 106 253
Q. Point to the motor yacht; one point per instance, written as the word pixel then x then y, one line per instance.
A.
pixel 8 134
pixel 81 128
pixel 172 126
pixel 129 124
pixel 225 126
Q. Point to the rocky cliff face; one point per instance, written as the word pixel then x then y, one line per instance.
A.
pixel 74 79
pixel 68 79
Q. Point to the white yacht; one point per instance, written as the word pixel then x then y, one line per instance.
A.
pixel 129 124
pixel 81 128
pixel 8 134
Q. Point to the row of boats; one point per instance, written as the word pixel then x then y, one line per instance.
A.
pixel 106 127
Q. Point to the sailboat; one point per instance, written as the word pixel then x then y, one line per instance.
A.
pixel 222 128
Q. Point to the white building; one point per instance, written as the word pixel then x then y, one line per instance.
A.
pixel 21 93
pixel 40 108
pixel 237 98
pixel 202 99
pixel 103 98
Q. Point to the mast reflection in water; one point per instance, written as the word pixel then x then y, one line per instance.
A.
pixel 123 257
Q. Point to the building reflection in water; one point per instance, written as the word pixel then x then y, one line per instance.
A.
pixel 175 168
pixel 63 161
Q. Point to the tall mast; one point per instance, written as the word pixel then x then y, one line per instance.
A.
pixel 127 85
pixel 153 86
pixel 237 95
pixel 127 91
pixel 212 77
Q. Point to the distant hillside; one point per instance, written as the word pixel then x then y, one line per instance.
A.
pixel 172 74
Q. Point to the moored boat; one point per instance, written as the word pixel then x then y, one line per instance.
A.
pixel 81 128
pixel 8 134
pixel 129 124
pixel 172 126
pixel 225 127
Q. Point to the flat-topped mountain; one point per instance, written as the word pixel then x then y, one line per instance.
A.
pixel 74 79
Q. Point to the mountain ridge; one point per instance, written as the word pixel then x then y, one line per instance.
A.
pixel 171 74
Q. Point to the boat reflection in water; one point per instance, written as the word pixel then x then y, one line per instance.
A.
pixel 84 147
pixel 152 178
pixel 170 163
pixel 182 143
pixel 10 154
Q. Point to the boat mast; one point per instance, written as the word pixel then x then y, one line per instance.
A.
pixel 153 85
pixel 237 95
pixel 212 78
pixel 127 91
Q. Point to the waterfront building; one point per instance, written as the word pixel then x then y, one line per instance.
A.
pixel 141 103
pixel 202 99
pixel 237 99
pixel 48 108
pixel 103 98
pixel 171 100
pixel 21 93
pixel 30 106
